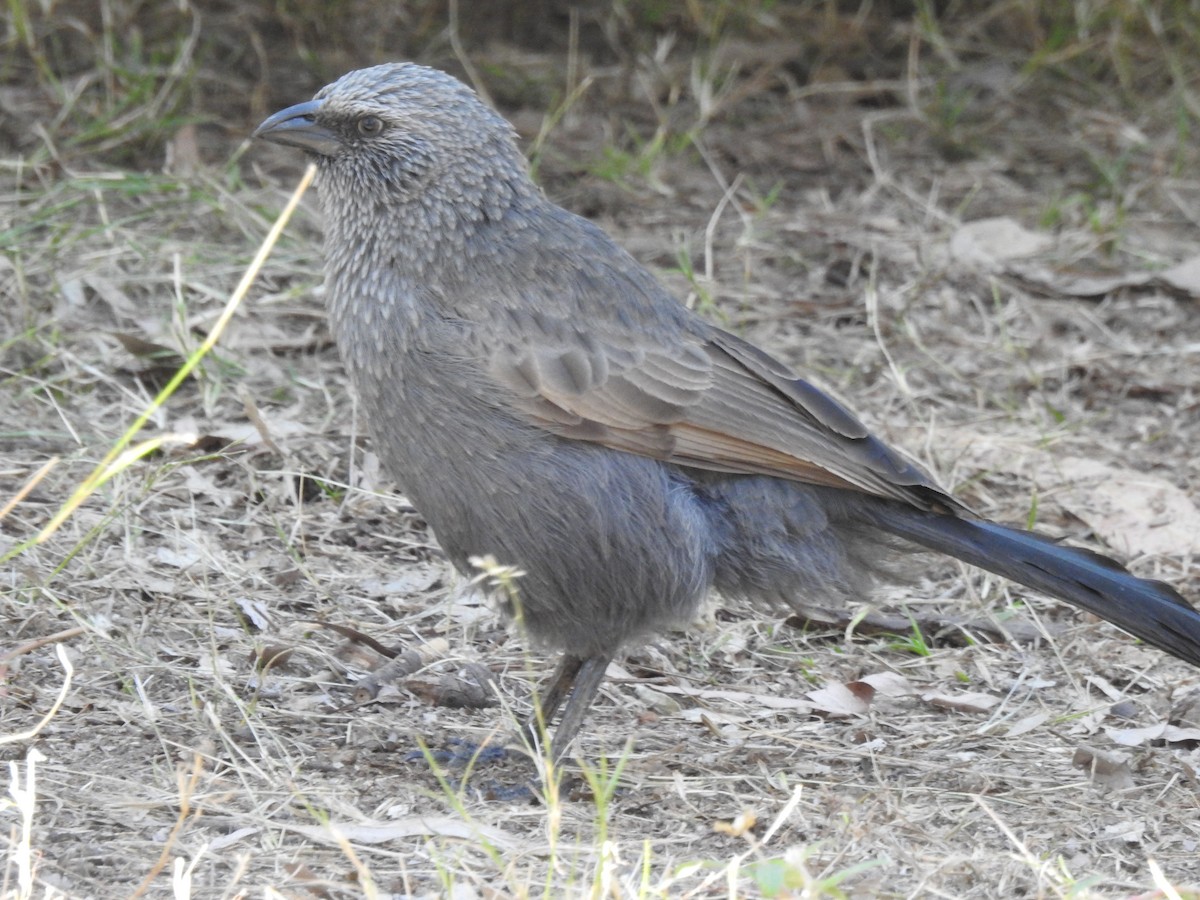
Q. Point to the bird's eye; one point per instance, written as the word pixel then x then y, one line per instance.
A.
pixel 370 126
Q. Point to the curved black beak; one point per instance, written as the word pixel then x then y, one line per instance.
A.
pixel 297 126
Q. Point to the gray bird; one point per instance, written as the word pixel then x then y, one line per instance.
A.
pixel 543 399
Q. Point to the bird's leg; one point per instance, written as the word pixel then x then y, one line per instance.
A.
pixel 587 681
pixel 560 685
pixel 533 732
pixel 580 677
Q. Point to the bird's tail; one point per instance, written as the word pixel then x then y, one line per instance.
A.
pixel 1150 610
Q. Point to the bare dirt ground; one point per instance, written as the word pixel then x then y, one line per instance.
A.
pixel 988 272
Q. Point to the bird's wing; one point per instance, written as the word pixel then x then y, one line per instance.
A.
pixel 705 399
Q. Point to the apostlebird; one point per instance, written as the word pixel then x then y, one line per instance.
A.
pixel 543 399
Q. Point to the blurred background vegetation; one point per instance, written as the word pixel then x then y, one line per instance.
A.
pixel 111 82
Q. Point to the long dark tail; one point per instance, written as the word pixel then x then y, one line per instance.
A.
pixel 1151 610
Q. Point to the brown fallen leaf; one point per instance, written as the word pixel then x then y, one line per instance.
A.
pixel 468 688
pixel 309 880
pixel 271 657
pixel 1105 769
pixel 396 670
pixel 843 700
pixel 138 346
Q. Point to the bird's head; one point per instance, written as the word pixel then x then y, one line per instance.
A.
pixel 399 129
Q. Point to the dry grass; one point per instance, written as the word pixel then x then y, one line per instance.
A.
pixel 807 199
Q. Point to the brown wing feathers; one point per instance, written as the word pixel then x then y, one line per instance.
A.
pixel 719 404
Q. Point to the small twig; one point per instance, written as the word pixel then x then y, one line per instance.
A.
pixel 872 298
pixel 28 486
pixel 186 791
pixel 38 643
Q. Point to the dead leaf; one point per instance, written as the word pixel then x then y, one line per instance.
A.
pixel 412 826
pixel 1135 513
pixel 1173 734
pixel 200 484
pixel 761 702
pixel 1136 737
pixel 243 432
pixel 117 299
pixel 143 349
pixel 1131 831
pixel 698 716
pixel 273 657
pixel 1184 277
pixel 1083 280
pixel 72 293
pixel 843 700
pixel 1105 769
pixel 256 611
pixel 312 882
pixel 357 638
pixel 177 559
pixel 969 702
pixel 416 578
pixel 661 703
pixel 471 687
pixel 399 666
pixel 1079 282
pixel 250 408
pixel 1111 691
pixel 221 841
pixel 987 243
pixel 890 684
pixel 1027 724
pixel 1133 737
pixel 936 628
pixel 1185 708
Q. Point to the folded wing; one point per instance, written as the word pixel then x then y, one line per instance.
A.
pixel 707 400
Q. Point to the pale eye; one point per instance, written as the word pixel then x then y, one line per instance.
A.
pixel 370 126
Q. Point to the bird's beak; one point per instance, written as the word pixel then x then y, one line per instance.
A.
pixel 297 126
